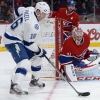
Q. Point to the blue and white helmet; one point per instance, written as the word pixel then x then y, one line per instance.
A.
pixel 43 7
pixel 71 3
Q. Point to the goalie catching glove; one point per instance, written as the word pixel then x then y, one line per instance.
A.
pixel 95 52
pixel 93 58
pixel 95 55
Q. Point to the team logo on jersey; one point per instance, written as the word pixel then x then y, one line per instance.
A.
pixel 36 26
pixel 67 23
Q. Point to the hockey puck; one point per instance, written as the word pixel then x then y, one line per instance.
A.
pixel 99 62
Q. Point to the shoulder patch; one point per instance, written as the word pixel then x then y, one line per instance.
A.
pixel 36 26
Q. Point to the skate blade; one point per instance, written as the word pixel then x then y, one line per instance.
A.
pixel 14 94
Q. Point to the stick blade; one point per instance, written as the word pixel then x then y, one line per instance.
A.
pixel 84 94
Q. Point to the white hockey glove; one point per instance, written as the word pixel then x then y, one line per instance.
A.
pixel 41 53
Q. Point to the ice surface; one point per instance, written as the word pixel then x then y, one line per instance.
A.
pixel 54 90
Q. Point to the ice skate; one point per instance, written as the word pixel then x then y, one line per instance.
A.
pixel 36 82
pixel 15 89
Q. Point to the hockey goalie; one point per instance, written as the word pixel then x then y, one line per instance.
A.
pixel 74 50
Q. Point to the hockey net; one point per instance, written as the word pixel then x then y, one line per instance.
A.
pixel 51 39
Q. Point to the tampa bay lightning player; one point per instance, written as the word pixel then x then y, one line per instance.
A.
pixel 19 39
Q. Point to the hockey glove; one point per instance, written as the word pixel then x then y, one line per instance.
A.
pixel 41 53
pixel 95 55
pixel 95 52
pixel 93 58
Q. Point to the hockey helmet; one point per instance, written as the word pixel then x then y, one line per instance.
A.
pixel 43 7
pixel 77 35
pixel 71 3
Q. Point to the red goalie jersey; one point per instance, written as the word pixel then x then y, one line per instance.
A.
pixel 72 52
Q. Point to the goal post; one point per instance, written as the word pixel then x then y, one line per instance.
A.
pixel 50 39
pixel 58 40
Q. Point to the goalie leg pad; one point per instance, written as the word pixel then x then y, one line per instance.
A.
pixel 90 70
pixel 70 72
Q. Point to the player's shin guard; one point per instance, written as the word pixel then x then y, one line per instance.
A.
pixel 70 72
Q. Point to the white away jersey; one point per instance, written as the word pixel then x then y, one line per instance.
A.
pixel 24 29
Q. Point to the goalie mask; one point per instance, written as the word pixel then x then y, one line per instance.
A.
pixel 77 35
pixel 43 7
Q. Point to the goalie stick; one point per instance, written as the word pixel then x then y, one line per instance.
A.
pixel 79 93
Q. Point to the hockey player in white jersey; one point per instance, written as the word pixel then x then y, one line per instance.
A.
pixel 19 39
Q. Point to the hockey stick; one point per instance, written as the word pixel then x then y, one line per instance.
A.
pixel 79 93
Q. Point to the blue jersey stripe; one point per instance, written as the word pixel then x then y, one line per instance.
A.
pixel 27 43
pixel 16 12
pixel 11 37
pixel 65 59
